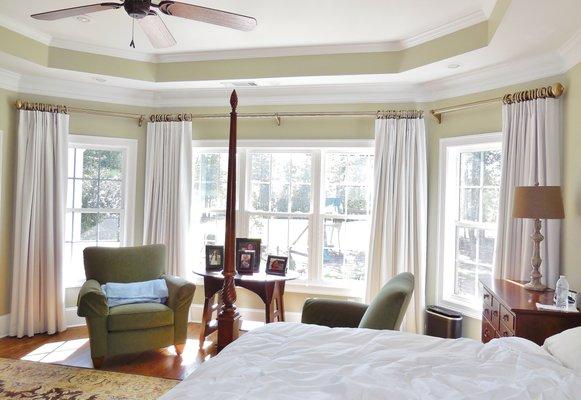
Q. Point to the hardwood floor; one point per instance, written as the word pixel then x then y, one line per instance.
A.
pixel 72 348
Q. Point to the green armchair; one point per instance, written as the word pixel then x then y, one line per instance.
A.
pixel 137 327
pixel 386 311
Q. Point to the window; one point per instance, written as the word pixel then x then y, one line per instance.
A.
pixel 101 176
pixel 310 204
pixel 470 172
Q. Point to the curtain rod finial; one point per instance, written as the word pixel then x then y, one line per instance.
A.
pixel 19 104
pixel 437 115
pixel 558 89
pixel 234 100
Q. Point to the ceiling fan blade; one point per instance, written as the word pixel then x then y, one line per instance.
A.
pixel 156 31
pixel 208 15
pixel 74 11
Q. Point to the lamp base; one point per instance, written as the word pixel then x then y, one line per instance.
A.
pixel 535 286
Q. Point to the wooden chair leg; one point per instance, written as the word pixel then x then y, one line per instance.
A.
pixel 206 318
pixel 179 348
pixel 98 362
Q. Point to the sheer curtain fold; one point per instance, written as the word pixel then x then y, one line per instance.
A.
pixel 399 215
pixel 41 182
pixel 168 184
pixel 531 153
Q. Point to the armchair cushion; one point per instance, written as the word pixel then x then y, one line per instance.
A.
pixel 333 313
pixel 92 302
pixel 130 317
pixel 388 308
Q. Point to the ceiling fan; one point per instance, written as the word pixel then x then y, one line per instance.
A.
pixel 150 21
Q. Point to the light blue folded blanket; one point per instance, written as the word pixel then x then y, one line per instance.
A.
pixel 117 294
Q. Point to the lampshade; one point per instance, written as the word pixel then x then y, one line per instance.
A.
pixel 542 202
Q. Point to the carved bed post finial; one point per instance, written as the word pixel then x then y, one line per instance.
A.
pixel 229 318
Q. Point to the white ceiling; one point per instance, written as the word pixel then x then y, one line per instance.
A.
pixel 281 23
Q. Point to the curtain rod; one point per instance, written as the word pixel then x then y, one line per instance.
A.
pixel 398 114
pixel 553 91
pixel 25 105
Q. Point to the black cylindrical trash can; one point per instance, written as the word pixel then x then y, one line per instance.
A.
pixel 443 322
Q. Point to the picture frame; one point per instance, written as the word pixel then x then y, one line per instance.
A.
pixel 245 262
pixel 276 265
pixel 214 258
pixel 245 244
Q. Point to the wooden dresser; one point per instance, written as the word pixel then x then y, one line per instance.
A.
pixel 510 310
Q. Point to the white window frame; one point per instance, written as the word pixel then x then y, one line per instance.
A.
pixel 447 209
pixel 129 171
pixel 315 284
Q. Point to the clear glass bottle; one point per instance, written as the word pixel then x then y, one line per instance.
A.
pixel 562 292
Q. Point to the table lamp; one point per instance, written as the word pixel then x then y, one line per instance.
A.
pixel 537 202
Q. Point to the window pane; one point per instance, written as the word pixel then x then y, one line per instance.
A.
pixel 89 193
pixel 281 167
pixel 110 164
pixel 357 169
pixel 260 196
pixel 486 246
pixel 466 244
pixel 466 279
pixel 492 170
pixel 335 167
pixel 213 228
pixel 110 194
pixel 470 164
pixel 301 199
pixel 345 249
pixel 260 167
pixel 490 205
pixel 109 227
pixel 89 223
pixel 90 166
pixel 301 168
pixel 335 199
pixel 279 196
pixel 356 200
pixel 469 204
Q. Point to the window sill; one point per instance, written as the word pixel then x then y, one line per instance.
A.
pixel 461 307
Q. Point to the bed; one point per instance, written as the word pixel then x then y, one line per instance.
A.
pixel 297 361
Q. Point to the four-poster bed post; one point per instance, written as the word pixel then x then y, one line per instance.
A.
pixel 229 318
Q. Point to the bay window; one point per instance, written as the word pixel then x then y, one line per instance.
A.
pixel 310 203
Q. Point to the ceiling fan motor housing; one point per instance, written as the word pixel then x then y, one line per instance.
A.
pixel 137 8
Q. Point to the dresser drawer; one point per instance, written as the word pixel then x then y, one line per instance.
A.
pixel 491 311
pixel 504 331
pixel 488 332
pixel 506 317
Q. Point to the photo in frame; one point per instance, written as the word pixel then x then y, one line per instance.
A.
pixel 244 244
pixel 214 258
pixel 276 265
pixel 245 262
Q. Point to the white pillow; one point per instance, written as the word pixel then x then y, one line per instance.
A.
pixel 566 347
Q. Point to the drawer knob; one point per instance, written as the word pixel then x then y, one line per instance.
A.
pixel 495 313
pixel 486 296
pixel 505 317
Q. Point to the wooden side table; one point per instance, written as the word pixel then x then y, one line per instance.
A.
pixel 510 310
pixel 270 288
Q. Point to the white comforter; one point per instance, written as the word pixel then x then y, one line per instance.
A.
pixel 299 362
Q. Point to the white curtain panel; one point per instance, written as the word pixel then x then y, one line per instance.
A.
pixel 39 214
pixel 531 153
pixel 399 213
pixel 168 191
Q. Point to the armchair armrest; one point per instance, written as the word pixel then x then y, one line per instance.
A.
pixel 181 292
pixel 333 313
pixel 92 302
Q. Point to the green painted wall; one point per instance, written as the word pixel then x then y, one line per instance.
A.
pixel 480 120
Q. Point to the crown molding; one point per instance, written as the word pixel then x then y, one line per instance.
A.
pixel 570 51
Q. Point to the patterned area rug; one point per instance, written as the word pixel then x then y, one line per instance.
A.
pixel 36 381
